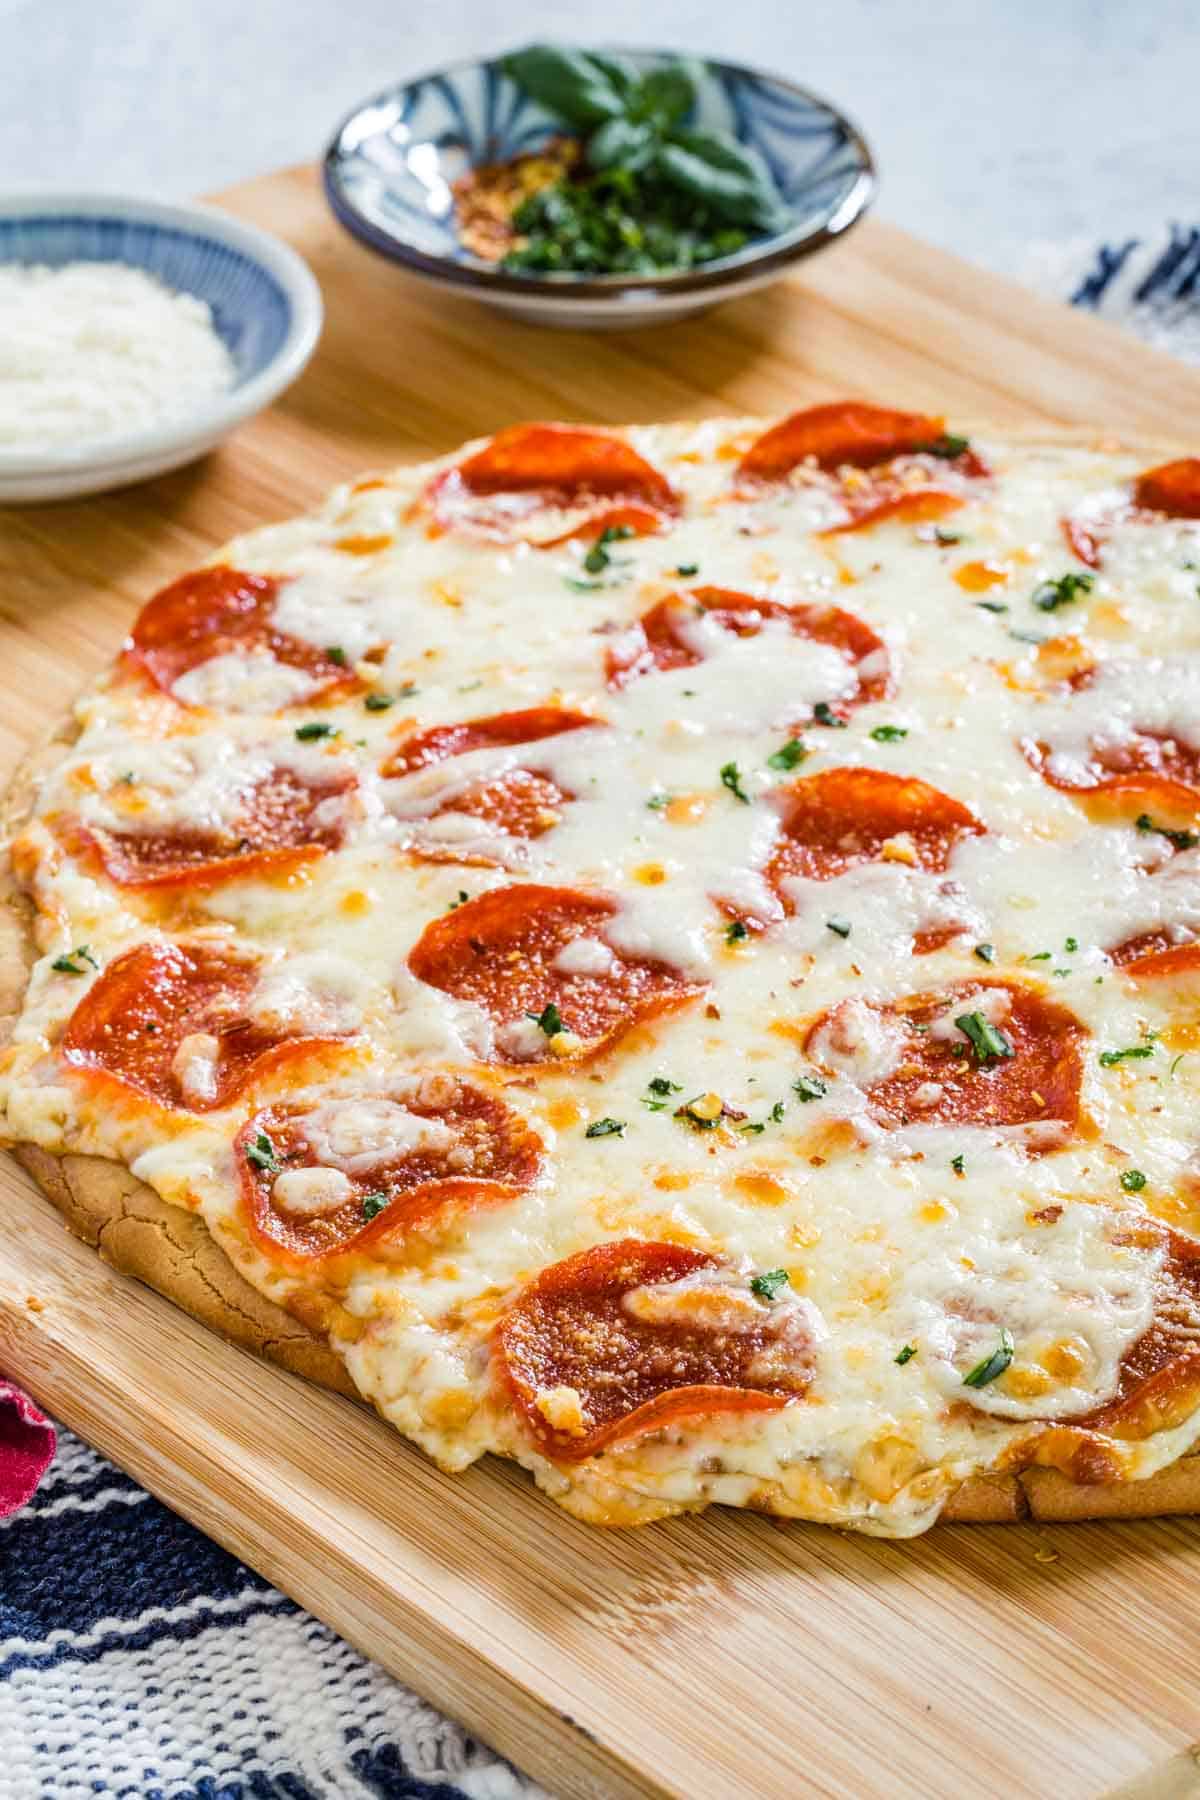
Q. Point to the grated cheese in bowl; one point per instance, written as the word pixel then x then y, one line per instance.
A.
pixel 98 350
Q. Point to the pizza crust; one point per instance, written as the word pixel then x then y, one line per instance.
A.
pixel 172 1251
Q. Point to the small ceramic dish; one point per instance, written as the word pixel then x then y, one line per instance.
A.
pixel 266 307
pixel 390 170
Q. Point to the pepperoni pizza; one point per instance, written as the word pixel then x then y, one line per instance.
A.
pixel 670 955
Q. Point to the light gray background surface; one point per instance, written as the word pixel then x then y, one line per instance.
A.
pixel 995 121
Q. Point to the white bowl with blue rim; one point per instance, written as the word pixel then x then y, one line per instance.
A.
pixel 265 303
pixel 391 166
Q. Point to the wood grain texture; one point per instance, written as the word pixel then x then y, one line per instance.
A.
pixel 706 1656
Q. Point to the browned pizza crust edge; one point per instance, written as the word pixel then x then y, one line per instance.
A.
pixel 172 1251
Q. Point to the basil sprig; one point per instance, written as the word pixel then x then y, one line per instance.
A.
pixel 637 122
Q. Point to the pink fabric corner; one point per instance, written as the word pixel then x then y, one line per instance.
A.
pixel 27 1443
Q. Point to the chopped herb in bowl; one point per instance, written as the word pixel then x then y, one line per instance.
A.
pixel 634 188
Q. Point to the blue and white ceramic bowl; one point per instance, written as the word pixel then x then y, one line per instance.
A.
pixel 390 169
pixel 265 302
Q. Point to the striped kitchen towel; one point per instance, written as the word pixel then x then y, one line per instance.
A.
pixel 137 1659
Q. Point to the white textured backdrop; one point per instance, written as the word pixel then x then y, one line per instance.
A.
pixel 995 121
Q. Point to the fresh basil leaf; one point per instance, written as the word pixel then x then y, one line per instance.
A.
pixel 665 96
pixel 731 177
pixel 621 143
pixel 575 87
pixel 619 70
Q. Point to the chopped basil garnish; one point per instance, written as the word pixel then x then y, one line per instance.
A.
pixel 889 734
pixel 336 654
pixel 606 1128
pixel 992 606
pixel 906 1355
pixel 548 1020
pixel 840 927
pixel 379 702
pixel 1070 945
pixel 660 1088
pixel 373 1205
pixel 777 1113
pixel 987 1043
pixel 658 802
pixel 992 1365
pixel 597 558
pixel 316 728
pixel 69 964
pixel 735 931
pixel 1134 1052
pixel 731 777
pixel 462 899
pixel 789 755
pixel 1029 637
pixel 1182 840
pixel 944 537
pixel 809 1087
pixel 824 714
pixel 958 1164
pixel 947 446
pixel 687 569
pixel 986 952
pixel 261 1155
pixel 770 1285
pixel 1132 1180
pixel 1050 595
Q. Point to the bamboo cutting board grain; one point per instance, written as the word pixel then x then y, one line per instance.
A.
pixel 702 1658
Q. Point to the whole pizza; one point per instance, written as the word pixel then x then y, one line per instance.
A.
pixel 670 955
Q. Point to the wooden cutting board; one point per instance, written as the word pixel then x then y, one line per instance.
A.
pixel 711 1657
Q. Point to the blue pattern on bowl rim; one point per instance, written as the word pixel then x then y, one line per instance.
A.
pixel 390 167
pixel 251 312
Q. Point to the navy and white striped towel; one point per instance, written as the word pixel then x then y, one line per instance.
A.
pixel 137 1659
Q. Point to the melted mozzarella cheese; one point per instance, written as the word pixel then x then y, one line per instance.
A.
pixel 359 1136
pixel 315 993
pixel 927 1235
pixel 243 681
pixel 309 1193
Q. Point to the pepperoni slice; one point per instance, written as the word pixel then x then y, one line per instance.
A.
pixel 367 1173
pixel 839 433
pixel 1172 488
pixel 1154 771
pixel 917 473
pixel 631 1336
pixel 497 731
pixel 170 1020
pixel 1172 491
pixel 518 951
pixel 1158 1378
pixel 1154 957
pixel 520 805
pixel 565 468
pixel 660 639
pixel 844 817
pixel 283 819
pixel 213 612
pixel 917 1068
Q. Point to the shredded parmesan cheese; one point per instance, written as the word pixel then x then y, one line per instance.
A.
pixel 97 350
